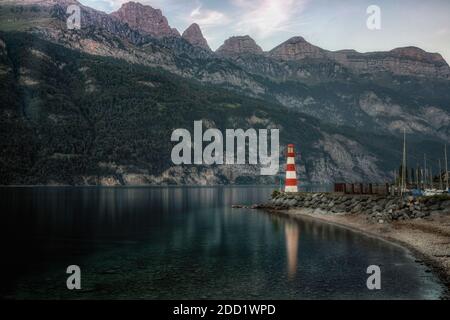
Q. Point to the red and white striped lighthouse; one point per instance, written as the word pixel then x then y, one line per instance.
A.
pixel 291 176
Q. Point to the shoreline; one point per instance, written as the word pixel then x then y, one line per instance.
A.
pixel 132 185
pixel 426 240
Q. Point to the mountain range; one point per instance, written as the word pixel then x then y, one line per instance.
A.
pixel 74 101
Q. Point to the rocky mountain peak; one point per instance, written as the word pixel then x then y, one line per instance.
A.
pixel 145 19
pixel 193 34
pixel 418 54
pixel 296 48
pixel 239 45
pixel 297 39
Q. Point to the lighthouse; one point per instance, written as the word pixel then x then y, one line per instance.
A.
pixel 291 176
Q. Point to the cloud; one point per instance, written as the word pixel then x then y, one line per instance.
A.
pixel 206 17
pixel 263 18
pixel 443 32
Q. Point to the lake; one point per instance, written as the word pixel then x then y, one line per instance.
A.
pixel 188 243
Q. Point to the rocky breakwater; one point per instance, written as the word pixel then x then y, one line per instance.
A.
pixel 377 208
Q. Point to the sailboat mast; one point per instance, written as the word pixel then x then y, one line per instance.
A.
pixel 421 178
pixel 446 168
pixel 404 162
pixel 425 171
pixel 431 177
pixel 417 176
pixel 440 176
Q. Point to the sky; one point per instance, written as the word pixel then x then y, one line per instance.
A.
pixel 329 24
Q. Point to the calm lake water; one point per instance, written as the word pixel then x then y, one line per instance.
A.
pixel 186 243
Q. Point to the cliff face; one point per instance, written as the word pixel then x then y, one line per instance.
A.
pixel 193 34
pixel 145 19
pixel 295 59
pixel 236 46
pixel 408 61
pixel 297 48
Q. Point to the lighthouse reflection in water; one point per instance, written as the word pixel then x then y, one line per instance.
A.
pixel 292 235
